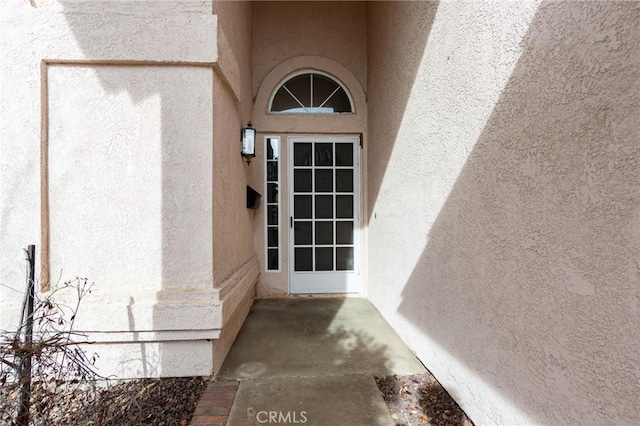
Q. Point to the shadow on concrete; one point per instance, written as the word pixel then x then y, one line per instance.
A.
pixel 528 269
pixel 316 358
pixel 316 337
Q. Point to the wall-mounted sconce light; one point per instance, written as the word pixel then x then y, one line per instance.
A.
pixel 248 138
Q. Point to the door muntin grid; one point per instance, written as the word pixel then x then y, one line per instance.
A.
pixel 324 206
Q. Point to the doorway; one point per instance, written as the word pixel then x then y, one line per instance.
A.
pixel 324 215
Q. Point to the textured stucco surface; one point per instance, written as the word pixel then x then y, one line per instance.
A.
pixel 233 222
pixel 223 343
pixel 287 29
pixel 56 30
pixel 131 164
pixel 157 358
pixel 504 193
pixel 235 263
pixel 129 175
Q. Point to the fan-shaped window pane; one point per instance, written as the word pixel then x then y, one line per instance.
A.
pixel 323 89
pixel 339 102
pixel 283 101
pixel 300 88
pixel 311 94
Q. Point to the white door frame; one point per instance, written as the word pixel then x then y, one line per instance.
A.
pixel 320 282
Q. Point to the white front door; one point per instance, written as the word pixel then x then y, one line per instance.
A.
pixel 324 215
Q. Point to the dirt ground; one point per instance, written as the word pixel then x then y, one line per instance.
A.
pixel 420 400
pixel 164 402
pixel 412 401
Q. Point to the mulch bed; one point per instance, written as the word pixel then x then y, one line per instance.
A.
pixel 419 400
pixel 415 400
pixel 159 402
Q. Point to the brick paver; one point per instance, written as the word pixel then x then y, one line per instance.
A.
pixel 215 404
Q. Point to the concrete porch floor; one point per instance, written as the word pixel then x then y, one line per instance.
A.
pixel 312 361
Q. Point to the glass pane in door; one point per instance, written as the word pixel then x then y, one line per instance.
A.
pixel 324 180
pixel 302 154
pixel 324 206
pixel 303 259
pixel 323 224
pixel 302 206
pixel 324 154
pixel 302 180
pixel 324 259
pixel 324 233
pixel 344 154
pixel 344 180
pixel 344 232
pixel 302 233
pixel 344 206
pixel 344 258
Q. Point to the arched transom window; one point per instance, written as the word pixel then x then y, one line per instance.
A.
pixel 311 93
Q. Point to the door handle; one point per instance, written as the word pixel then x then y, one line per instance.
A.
pixel 291 222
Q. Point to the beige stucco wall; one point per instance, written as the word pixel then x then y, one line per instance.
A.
pixel 139 140
pixel 233 225
pixel 285 30
pixel 129 94
pixel 504 193
pixel 235 264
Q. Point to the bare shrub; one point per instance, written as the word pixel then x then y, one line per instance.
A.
pixel 44 353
